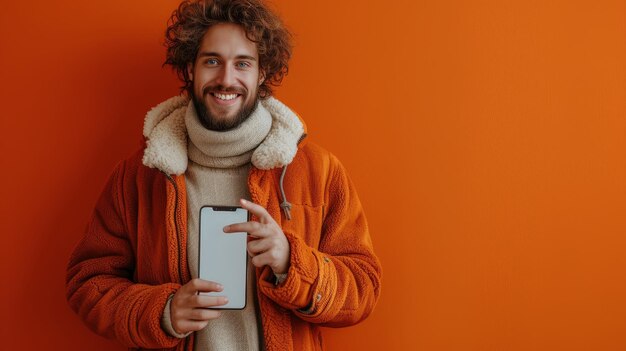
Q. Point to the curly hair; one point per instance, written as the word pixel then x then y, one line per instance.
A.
pixel 192 19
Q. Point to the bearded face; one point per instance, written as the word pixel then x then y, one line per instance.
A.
pixel 226 77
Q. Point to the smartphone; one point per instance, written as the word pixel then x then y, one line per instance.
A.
pixel 223 256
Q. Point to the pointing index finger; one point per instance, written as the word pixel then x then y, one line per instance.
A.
pixel 256 210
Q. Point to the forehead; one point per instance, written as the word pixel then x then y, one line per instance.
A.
pixel 227 40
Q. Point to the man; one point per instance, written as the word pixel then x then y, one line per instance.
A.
pixel 133 276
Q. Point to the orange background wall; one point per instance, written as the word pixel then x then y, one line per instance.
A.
pixel 486 139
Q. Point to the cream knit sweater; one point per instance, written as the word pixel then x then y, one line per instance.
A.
pixel 217 174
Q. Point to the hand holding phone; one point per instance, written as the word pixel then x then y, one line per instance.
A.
pixel 190 311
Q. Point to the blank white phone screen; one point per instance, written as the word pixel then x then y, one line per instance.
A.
pixel 223 256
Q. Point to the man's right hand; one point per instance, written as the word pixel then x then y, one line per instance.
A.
pixel 189 311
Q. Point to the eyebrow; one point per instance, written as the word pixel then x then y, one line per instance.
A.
pixel 244 57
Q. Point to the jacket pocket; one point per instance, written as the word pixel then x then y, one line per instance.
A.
pixel 306 222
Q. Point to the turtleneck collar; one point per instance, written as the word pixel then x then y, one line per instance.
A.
pixel 227 149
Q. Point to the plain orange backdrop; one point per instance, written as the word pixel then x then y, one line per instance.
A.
pixel 486 139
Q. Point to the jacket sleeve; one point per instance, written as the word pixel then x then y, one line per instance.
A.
pixel 99 285
pixel 338 283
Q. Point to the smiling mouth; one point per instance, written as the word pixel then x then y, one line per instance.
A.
pixel 225 97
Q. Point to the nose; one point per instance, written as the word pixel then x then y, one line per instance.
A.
pixel 227 75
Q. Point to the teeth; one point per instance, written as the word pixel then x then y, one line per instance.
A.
pixel 225 96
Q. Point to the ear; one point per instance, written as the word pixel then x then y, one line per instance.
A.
pixel 261 77
pixel 190 71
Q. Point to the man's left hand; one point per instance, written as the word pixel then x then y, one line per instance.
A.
pixel 269 246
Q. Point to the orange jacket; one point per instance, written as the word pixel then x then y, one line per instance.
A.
pixel 133 254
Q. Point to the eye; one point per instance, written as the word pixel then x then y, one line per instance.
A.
pixel 212 61
pixel 243 64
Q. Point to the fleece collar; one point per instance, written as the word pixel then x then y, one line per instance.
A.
pixel 166 136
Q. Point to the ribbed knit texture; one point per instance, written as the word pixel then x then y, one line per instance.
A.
pixel 226 149
pixel 217 174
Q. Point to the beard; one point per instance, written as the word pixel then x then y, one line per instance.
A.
pixel 212 122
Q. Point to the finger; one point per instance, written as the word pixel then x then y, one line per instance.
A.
pixel 189 325
pixel 261 260
pixel 203 314
pixel 257 246
pixel 246 227
pixel 254 229
pixel 201 285
pixel 259 211
pixel 205 301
